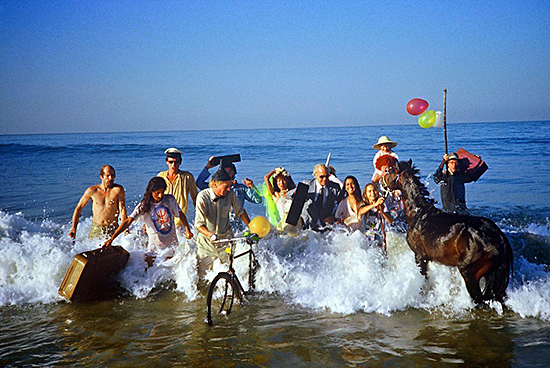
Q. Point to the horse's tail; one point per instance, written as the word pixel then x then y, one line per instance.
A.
pixel 497 281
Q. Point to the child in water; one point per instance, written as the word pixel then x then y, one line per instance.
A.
pixel 158 211
pixel 384 147
pixel 374 216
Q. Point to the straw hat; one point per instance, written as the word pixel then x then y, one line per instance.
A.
pixel 384 140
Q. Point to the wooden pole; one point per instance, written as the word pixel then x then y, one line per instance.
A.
pixel 445 119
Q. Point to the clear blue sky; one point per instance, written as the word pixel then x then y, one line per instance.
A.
pixel 85 66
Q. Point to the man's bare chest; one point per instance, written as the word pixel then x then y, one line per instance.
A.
pixel 105 199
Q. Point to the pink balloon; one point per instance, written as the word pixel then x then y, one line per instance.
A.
pixel 417 106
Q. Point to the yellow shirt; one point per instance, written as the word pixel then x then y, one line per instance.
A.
pixel 182 187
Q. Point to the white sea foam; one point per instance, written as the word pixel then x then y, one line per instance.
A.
pixel 531 299
pixel 339 272
pixel 336 272
pixel 140 280
pixel 538 229
pixel 35 257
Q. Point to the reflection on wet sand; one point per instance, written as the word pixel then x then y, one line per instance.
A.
pixel 167 329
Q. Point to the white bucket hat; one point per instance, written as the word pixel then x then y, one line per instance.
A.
pixel 384 140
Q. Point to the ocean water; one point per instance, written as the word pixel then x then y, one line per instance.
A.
pixel 322 299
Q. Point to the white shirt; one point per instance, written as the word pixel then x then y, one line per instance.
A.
pixel 345 213
pixel 159 221
pixel 318 189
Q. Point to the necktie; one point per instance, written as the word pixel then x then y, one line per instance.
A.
pixel 320 199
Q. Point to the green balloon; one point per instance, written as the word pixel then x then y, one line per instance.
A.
pixel 427 119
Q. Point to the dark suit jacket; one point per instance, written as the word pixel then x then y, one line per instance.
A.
pixel 312 216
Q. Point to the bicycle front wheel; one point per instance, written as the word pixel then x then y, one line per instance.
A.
pixel 221 295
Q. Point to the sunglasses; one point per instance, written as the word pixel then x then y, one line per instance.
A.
pixel 323 176
pixel 171 161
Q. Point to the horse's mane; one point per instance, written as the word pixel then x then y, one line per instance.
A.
pixel 414 172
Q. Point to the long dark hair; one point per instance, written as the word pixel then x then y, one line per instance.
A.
pixel 289 182
pixel 357 193
pixel 156 183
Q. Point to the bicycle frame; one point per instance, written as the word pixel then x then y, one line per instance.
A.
pixel 251 264
pixel 230 283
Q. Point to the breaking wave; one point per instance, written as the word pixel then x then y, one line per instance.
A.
pixel 336 272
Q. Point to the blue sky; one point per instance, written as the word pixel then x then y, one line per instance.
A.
pixel 82 66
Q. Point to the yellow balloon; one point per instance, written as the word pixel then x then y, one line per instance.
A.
pixel 427 119
pixel 260 226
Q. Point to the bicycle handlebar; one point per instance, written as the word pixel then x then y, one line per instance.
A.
pixel 243 238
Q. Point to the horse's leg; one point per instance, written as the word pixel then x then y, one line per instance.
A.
pixel 472 285
pixel 483 268
pixel 421 262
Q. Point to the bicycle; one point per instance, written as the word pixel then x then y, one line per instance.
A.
pixel 226 287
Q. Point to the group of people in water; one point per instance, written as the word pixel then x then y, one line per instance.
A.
pixel 219 203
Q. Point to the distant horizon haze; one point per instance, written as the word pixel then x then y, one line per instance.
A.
pixel 449 125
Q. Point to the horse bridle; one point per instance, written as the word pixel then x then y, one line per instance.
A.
pixel 386 186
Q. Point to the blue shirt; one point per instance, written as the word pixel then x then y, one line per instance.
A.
pixel 242 191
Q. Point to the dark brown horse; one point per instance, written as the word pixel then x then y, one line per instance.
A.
pixel 475 245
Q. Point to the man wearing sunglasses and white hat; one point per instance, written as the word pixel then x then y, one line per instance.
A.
pixel 181 184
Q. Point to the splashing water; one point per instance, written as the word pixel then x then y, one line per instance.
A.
pixel 336 272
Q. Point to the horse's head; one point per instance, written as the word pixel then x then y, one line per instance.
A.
pixel 390 180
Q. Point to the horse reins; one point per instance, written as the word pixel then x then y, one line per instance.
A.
pixel 386 187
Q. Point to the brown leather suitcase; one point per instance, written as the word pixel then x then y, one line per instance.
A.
pixel 472 165
pixel 90 273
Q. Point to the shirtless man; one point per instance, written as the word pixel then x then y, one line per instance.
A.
pixel 108 204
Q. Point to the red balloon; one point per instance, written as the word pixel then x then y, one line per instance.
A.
pixel 417 106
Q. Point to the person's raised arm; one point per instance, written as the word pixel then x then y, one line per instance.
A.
pixel 268 184
pixel 438 175
pixel 251 193
pixel 204 175
pixel 444 161
pixel 78 210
